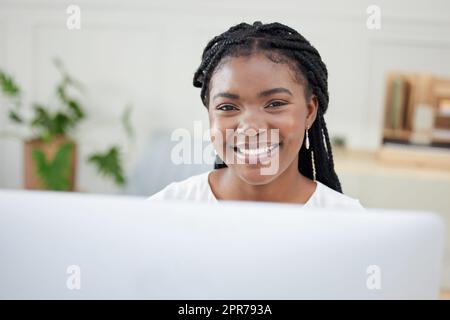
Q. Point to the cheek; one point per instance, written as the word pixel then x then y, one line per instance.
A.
pixel 219 132
pixel 290 126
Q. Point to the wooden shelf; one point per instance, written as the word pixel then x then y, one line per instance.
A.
pixel 416 107
pixel 396 134
pixel 374 163
pixel 405 136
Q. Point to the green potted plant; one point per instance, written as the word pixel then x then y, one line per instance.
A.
pixel 50 156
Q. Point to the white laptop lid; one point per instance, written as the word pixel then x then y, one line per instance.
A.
pixel 73 246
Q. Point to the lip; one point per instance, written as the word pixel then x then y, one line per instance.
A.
pixel 254 155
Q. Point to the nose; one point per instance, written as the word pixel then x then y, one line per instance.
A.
pixel 251 125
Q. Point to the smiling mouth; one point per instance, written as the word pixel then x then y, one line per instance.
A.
pixel 255 154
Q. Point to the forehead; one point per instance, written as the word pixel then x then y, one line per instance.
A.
pixel 253 73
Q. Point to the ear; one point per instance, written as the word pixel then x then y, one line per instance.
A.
pixel 312 107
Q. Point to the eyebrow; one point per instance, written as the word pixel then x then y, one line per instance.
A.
pixel 265 93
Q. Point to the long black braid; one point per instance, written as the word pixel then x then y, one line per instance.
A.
pixel 281 44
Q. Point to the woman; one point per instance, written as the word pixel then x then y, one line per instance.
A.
pixel 257 79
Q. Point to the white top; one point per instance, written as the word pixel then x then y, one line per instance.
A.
pixel 197 188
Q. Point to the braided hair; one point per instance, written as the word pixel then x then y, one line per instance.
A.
pixel 281 44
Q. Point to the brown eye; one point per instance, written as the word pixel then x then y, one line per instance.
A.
pixel 226 107
pixel 275 104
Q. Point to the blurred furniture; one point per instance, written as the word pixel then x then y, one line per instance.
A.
pixel 417 109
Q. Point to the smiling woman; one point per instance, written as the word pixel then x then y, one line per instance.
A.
pixel 266 92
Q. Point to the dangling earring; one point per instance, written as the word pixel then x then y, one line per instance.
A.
pixel 313 166
pixel 307 139
pixel 312 154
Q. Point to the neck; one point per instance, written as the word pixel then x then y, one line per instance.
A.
pixel 289 186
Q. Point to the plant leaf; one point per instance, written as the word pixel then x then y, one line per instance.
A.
pixel 76 109
pixel 55 174
pixel 126 121
pixel 14 116
pixel 41 116
pixel 8 86
pixel 61 91
pixel 109 164
pixel 61 122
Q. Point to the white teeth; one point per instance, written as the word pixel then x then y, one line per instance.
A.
pixel 256 151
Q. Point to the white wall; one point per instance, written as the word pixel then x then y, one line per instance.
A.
pixel 145 53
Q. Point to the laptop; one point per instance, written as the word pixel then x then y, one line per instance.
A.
pixel 79 246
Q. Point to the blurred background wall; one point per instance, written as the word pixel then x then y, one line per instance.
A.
pixel 144 53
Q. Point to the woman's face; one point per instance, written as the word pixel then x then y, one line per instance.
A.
pixel 250 97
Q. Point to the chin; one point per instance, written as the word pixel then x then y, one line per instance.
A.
pixel 252 174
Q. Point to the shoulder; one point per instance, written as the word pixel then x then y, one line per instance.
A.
pixel 326 197
pixel 193 188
